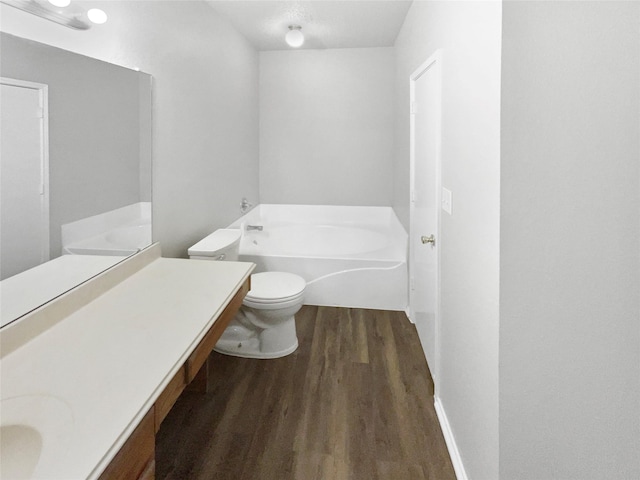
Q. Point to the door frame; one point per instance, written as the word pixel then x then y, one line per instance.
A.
pixel 433 62
pixel 43 95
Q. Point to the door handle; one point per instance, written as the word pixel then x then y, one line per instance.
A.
pixel 430 239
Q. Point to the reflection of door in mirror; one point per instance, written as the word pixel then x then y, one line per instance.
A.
pixel 24 192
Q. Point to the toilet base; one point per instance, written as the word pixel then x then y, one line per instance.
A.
pixel 242 338
pixel 250 349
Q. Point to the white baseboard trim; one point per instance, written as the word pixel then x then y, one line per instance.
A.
pixel 407 312
pixel 458 467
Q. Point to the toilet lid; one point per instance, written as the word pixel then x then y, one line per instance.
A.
pixel 211 244
pixel 269 286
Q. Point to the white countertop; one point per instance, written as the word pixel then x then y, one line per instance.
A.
pixel 109 361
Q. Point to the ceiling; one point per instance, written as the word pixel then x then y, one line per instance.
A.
pixel 325 24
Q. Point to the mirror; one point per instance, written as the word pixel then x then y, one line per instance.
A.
pixel 75 170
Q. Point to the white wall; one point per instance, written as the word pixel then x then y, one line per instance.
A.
pixel 326 126
pixel 570 271
pixel 470 35
pixel 205 105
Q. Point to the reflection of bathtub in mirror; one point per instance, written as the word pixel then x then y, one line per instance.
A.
pixel 121 241
pixel 120 232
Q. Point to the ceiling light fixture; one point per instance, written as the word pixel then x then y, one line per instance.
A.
pixel 294 36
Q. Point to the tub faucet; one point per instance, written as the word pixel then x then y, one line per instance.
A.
pixel 245 205
pixel 255 227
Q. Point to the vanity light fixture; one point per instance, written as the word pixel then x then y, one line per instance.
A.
pixel 294 36
pixel 60 3
pixel 97 16
pixel 61 11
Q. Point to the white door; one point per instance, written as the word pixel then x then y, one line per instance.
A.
pixel 24 203
pixel 425 203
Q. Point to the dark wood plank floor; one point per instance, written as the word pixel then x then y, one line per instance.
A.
pixel 353 402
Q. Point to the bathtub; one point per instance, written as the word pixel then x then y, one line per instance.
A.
pixel 349 256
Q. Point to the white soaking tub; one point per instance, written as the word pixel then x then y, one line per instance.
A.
pixel 349 256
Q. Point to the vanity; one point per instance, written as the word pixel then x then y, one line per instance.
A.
pixel 87 379
pixel 95 348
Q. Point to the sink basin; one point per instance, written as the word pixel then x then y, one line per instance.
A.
pixel 20 448
pixel 34 432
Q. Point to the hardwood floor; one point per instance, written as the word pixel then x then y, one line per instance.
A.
pixel 353 402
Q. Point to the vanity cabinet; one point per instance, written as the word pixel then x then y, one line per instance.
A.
pixel 138 335
pixel 136 458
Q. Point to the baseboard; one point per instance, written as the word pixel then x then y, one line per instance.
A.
pixel 407 312
pixel 461 474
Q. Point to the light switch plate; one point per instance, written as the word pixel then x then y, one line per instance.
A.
pixel 446 200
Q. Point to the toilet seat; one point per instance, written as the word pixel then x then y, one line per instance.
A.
pixel 274 287
pixel 279 305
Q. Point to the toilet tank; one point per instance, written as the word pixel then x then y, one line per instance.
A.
pixel 223 244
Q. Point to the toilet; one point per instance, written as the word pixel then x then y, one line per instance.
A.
pixel 265 324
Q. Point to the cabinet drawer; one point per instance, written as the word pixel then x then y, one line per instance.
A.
pixel 202 351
